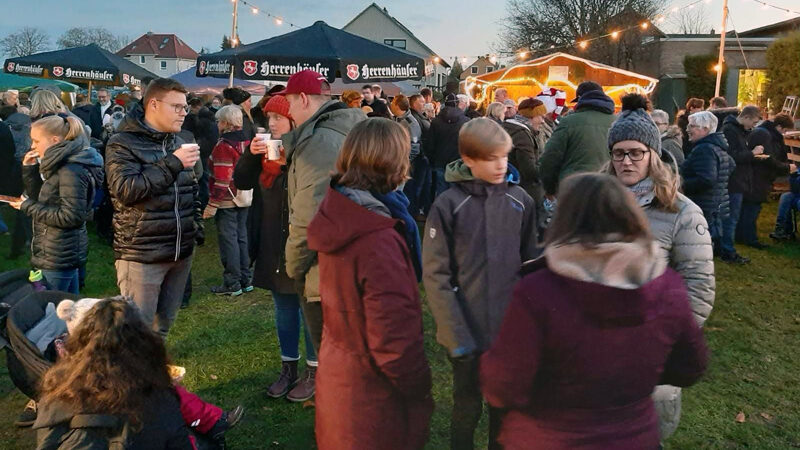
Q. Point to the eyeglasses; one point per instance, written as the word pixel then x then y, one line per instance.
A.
pixel 178 107
pixel 635 154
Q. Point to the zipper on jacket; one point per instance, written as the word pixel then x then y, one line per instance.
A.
pixel 177 211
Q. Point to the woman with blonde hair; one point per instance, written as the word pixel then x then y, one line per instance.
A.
pixel 677 224
pixel 44 102
pixel 496 111
pixel 61 175
pixel 373 390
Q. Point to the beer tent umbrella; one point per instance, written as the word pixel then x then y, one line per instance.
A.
pixel 26 84
pixel 88 64
pixel 197 85
pixel 330 51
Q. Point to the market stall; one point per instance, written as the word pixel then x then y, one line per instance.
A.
pixel 559 71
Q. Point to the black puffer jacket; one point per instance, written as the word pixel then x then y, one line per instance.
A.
pixel 155 199
pixel 705 176
pixel 60 193
pixel 443 138
pixel 742 178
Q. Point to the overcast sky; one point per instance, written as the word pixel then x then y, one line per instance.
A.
pixel 449 27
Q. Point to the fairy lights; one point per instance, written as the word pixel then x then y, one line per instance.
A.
pixel 278 20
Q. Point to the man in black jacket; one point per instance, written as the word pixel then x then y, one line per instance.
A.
pixel 443 139
pixel 736 130
pixel 154 191
pixel 378 105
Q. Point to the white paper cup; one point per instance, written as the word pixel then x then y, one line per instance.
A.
pixel 264 136
pixel 274 149
pixel 261 130
pixel 191 146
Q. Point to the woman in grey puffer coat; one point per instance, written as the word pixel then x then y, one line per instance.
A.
pixel 675 221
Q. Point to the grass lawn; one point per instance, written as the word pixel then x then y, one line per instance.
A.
pixel 230 350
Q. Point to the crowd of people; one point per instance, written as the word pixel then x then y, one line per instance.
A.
pixel 576 318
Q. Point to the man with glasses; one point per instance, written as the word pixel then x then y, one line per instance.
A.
pixel 155 194
pixel 100 110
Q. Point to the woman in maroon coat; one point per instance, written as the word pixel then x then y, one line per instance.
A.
pixel 373 386
pixel 589 334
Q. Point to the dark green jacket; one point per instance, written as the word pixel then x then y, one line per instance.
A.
pixel 579 143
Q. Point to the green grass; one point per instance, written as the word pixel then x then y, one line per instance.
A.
pixel 230 350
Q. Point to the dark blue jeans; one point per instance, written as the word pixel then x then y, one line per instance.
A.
pixel 729 225
pixel 63 280
pixel 787 203
pixel 288 320
pixel 746 228
pixel 715 229
pixel 438 181
pixel 232 236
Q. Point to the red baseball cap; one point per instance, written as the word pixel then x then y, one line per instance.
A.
pixel 306 82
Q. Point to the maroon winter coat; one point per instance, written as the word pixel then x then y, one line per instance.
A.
pixel 576 362
pixel 373 383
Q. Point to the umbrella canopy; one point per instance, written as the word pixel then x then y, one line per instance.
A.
pixel 198 85
pixel 88 64
pixel 24 84
pixel 390 89
pixel 330 51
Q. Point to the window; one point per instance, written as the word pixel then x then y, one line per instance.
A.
pixel 489 69
pixel 163 65
pixel 141 60
pixel 397 43
pixel 473 70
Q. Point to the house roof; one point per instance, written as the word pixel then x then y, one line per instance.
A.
pixel 402 27
pixel 160 45
pixel 775 28
pixel 486 60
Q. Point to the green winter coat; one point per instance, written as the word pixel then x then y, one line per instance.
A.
pixel 311 152
pixel 578 144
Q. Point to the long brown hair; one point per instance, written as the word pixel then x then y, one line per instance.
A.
pixel 374 156
pixel 594 208
pixel 114 361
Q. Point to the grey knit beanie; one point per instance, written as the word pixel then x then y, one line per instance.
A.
pixel 635 125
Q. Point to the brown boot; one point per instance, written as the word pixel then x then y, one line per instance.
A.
pixel 286 380
pixel 305 386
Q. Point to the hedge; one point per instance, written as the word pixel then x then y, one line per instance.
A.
pixel 783 69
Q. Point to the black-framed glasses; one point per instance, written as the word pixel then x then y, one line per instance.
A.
pixel 178 107
pixel 635 154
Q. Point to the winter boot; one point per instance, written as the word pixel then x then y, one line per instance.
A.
pixel 286 380
pixel 305 386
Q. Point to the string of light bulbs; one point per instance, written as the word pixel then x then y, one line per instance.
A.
pixel 255 10
pixel 767 5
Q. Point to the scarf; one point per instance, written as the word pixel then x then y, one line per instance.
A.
pixel 644 191
pixel 397 202
pixel 269 171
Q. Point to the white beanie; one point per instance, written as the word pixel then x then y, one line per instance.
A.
pixel 74 312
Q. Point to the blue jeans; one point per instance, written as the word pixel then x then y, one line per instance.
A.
pixel 418 187
pixel 438 181
pixel 63 280
pixel 288 320
pixel 746 228
pixel 788 202
pixel 729 225
pixel 232 237
pixel 715 229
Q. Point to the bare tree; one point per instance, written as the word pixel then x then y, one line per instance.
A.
pixel 27 41
pixel 690 20
pixel 78 37
pixel 532 25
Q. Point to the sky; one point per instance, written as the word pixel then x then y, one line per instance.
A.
pixel 449 27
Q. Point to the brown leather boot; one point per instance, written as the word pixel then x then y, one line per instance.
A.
pixel 286 380
pixel 305 386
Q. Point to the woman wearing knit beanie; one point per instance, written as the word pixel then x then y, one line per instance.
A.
pixel 268 229
pixel 677 224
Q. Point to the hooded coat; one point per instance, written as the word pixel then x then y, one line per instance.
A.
pixel 476 238
pixel 60 194
pixel 155 199
pixel 742 177
pixel 706 172
pixel 311 153
pixel 442 146
pixel 556 363
pixel 580 141
pixel 524 155
pixel 765 171
pixel 373 389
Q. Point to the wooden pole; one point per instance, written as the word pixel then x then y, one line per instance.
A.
pixel 721 58
pixel 234 38
pixel 89 96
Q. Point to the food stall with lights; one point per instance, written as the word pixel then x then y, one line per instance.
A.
pixel 560 71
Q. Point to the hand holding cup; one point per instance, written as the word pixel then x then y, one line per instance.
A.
pixel 189 154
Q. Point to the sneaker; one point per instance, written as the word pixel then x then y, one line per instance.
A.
pixel 286 380
pixel 248 288
pixel 232 291
pixel 228 420
pixel 28 415
pixel 781 235
pixel 305 387
pixel 735 259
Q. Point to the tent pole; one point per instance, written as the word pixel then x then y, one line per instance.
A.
pixel 89 97
pixel 234 38
pixel 721 58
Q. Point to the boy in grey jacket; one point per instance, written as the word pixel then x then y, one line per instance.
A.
pixel 478 234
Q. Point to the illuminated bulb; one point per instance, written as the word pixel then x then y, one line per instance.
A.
pixel 233 1
pixel 436 59
pixel 552 46
pixel 464 60
pixel 615 34
pixel 278 21
pixel 523 54
pixel 493 59
pixel 661 19
pixel 716 67
pixel 675 9
pixel 583 44
pixel 645 25
pixel 234 41
pixel 255 10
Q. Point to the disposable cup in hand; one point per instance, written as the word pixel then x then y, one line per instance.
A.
pixel 191 147
pixel 274 149
pixel 263 136
pixel 261 130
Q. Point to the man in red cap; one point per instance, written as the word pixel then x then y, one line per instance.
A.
pixel 311 152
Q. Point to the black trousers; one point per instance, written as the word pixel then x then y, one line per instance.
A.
pixel 468 406
pixel 312 314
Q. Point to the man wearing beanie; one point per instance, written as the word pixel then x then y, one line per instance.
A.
pixel 677 224
pixel 578 143
pixel 241 98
